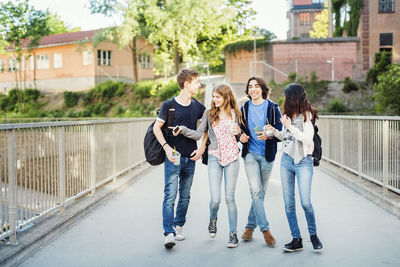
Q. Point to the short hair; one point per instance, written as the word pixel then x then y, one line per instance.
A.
pixel 186 75
pixel 265 89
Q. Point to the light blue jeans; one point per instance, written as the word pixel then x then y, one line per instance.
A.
pixel 258 171
pixel 176 178
pixel 303 171
pixel 230 172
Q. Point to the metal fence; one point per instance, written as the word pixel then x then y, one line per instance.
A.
pixel 368 146
pixel 45 166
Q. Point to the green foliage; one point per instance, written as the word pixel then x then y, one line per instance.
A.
pixel 382 61
pixel 144 89
pixel 56 25
pixel 336 106
pixel 105 91
pixel 169 90
pixel 321 24
pixel 388 90
pixel 247 45
pixel 351 25
pixel 349 85
pixel 71 99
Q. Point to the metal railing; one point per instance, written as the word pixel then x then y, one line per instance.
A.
pixel 45 166
pixel 368 146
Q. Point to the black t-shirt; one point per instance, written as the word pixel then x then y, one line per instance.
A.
pixel 187 116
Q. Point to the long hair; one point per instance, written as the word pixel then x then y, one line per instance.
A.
pixel 225 90
pixel 296 102
pixel 265 89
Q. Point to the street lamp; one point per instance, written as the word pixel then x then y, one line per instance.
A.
pixel 332 61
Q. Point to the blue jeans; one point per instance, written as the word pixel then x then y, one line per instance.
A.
pixel 304 172
pixel 176 178
pixel 230 172
pixel 258 171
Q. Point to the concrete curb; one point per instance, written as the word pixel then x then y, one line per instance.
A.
pixel 389 201
pixel 44 231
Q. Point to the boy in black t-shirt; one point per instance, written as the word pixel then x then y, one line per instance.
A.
pixel 187 112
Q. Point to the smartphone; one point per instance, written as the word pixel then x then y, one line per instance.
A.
pixel 175 130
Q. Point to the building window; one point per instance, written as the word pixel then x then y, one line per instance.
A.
pixel 57 60
pixel 87 58
pixel 144 61
pixel 386 6
pixel 1 66
pixel 103 58
pixel 386 39
pixel 13 64
pixel 305 19
pixel 304 35
pixel 42 62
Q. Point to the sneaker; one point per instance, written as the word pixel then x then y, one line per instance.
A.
pixel 317 245
pixel 212 227
pixel 179 233
pixel 295 245
pixel 247 234
pixel 169 240
pixel 269 239
pixel 233 240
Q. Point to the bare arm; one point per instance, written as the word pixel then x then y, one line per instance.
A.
pixel 199 152
pixel 161 139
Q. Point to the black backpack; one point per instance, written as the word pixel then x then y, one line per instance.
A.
pixel 153 150
pixel 317 153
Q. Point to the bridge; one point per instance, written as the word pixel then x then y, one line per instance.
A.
pixel 80 193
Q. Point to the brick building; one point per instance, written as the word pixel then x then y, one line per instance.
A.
pixel 301 16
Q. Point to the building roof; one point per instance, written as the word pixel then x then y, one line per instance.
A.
pixel 69 37
pixel 318 6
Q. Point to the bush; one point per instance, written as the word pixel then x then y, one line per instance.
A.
pixel 144 89
pixel 100 109
pixel 105 91
pixel 382 61
pixel 71 99
pixel 349 85
pixel 336 106
pixel 31 95
pixel 169 90
pixel 388 91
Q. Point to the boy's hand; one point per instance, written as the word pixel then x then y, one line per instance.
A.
pixel 168 152
pixel 244 138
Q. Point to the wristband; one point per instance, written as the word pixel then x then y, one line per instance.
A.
pixel 164 144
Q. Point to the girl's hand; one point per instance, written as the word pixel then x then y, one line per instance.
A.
pixel 175 130
pixel 286 121
pixel 244 138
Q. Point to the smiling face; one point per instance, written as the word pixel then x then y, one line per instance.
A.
pixel 218 100
pixel 255 90
pixel 193 86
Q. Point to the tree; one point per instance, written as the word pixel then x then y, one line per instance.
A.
pixel 56 25
pixel 21 27
pixel 321 24
pixel 388 89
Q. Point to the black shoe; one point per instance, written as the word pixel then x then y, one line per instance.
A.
pixel 233 240
pixel 295 245
pixel 212 227
pixel 317 245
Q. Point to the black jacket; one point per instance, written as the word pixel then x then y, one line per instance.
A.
pixel 273 115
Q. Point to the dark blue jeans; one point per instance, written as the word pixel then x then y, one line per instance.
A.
pixel 176 178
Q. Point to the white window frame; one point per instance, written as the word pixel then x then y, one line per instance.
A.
pixel 104 57
pixel 57 60
pixel 31 62
pixel 13 65
pixel 145 61
pixel 87 58
pixel 42 62
pixel 1 66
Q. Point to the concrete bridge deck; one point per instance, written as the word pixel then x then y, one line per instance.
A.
pixel 127 229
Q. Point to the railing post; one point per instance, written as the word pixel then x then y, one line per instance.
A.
pixel 385 155
pixel 12 180
pixel 328 140
pixel 341 147
pixel 114 150
pixel 92 159
pixel 130 144
pixel 61 167
pixel 359 149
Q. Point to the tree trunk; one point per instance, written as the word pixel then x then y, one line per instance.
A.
pixel 134 60
pixel 34 70
pixel 176 57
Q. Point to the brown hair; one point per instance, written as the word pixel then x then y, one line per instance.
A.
pixel 225 90
pixel 265 89
pixel 296 102
pixel 186 75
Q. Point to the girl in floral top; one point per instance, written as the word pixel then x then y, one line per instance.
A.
pixel 220 123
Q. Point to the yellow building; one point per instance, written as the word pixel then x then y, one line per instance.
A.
pixel 70 61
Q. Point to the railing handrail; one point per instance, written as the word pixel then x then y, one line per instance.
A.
pixel 359 117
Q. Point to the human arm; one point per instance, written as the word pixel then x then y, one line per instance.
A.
pixel 161 139
pixel 194 134
pixel 199 152
pixel 305 136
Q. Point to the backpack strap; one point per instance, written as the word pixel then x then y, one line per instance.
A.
pixel 171 112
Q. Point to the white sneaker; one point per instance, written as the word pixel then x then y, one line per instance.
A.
pixel 169 240
pixel 179 233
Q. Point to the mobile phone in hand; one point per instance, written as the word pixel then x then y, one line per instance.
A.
pixel 176 129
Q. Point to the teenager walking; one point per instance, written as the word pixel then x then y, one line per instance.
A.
pixel 220 123
pixel 297 162
pixel 258 153
pixel 178 176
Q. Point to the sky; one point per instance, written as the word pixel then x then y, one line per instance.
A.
pixel 271 14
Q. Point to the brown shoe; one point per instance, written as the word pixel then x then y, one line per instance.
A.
pixel 247 234
pixel 269 239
